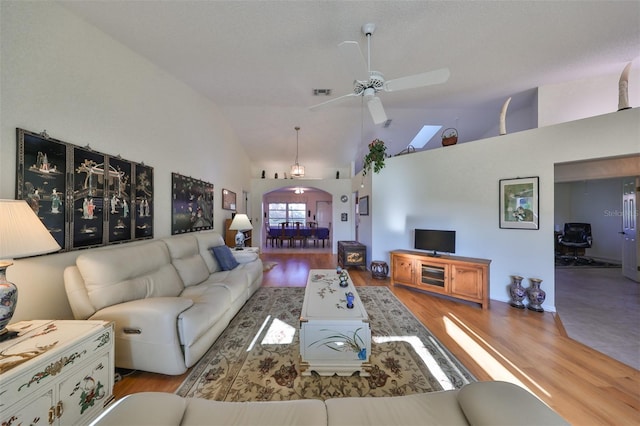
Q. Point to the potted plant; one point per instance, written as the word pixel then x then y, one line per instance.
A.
pixel 375 157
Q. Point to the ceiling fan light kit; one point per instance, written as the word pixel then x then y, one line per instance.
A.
pixel 368 83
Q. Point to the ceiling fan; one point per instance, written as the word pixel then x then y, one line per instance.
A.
pixel 368 83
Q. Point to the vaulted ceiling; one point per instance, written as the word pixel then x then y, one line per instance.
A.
pixel 259 61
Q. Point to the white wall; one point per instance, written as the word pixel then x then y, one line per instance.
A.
pixel 83 87
pixel 456 188
pixel 573 100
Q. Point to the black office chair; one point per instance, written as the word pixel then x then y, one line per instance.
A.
pixel 576 236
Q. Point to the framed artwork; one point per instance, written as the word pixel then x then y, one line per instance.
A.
pixel 191 204
pixel 42 180
pixel 228 200
pixel 519 203
pixel 85 198
pixel 88 198
pixel 363 206
pixel 143 201
pixel 118 184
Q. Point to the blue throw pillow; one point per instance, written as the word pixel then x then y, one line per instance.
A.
pixel 225 258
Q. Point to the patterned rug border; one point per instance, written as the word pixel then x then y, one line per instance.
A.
pixel 215 375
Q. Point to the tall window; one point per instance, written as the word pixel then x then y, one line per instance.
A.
pixel 287 212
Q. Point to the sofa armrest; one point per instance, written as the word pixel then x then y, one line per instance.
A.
pixel 151 319
pixel 244 256
pixel 142 409
pixel 503 403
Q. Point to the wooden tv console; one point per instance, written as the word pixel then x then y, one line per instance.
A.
pixel 464 278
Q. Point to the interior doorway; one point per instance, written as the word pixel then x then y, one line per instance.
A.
pixel 598 200
pixel 324 211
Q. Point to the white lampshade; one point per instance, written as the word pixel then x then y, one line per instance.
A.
pixel 241 222
pixel 22 233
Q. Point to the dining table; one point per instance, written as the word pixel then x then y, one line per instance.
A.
pixel 321 233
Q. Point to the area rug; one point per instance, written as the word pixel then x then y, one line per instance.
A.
pixel 257 356
pixel 267 266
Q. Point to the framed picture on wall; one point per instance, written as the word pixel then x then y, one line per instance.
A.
pixel 363 206
pixel 143 201
pixel 119 200
pixel 85 198
pixel 42 181
pixel 191 204
pixel 228 200
pixel 88 198
pixel 519 203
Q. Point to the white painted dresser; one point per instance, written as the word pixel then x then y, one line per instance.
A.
pixel 56 372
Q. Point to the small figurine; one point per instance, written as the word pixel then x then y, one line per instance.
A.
pixel 343 278
pixel 350 298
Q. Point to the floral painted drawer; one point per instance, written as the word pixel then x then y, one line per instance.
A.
pixel 56 372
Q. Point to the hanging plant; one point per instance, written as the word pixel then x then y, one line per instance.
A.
pixel 375 157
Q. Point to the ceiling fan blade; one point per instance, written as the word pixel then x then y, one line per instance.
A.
pixel 376 110
pixel 354 60
pixel 331 101
pixel 417 80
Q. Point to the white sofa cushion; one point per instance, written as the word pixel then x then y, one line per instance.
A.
pixel 210 303
pixel 236 281
pixel 206 240
pixel 186 258
pixel 307 412
pixel 121 274
pixel 245 256
pixel 433 408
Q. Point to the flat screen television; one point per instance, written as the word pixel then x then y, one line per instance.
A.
pixel 435 240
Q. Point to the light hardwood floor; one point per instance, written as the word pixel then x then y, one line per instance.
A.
pixel 502 343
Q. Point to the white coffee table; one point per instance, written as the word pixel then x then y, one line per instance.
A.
pixel 333 338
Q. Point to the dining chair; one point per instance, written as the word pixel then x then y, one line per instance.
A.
pixel 269 237
pixel 313 236
pixel 283 235
pixel 298 236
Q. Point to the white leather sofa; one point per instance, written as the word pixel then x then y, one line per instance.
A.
pixel 170 298
pixel 479 403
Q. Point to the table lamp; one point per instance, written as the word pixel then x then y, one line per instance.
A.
pixel 240 223
pixel 22 234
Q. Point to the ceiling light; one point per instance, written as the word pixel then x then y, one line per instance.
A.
pixel 299 191
pixel 424 135
pixel 297 170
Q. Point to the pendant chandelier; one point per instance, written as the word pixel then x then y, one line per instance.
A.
pixel 297 170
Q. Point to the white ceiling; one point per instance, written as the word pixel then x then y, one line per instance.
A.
pixel 259 61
